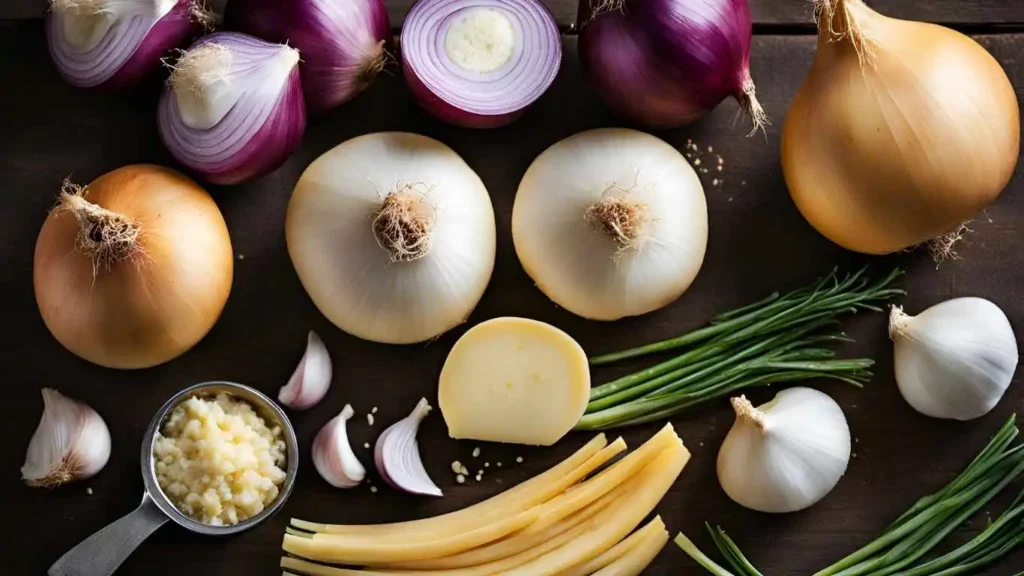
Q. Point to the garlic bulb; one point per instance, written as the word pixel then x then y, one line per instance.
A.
pixel 954 360
pixel 787 454
pixel 311 379
pixel 333 456
pixel 71 443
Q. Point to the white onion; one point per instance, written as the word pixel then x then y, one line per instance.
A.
pixel 611 223
pixel 392 236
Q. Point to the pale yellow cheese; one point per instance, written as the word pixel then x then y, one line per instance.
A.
pixel 652 529
pixel 537 490
pixel 514 380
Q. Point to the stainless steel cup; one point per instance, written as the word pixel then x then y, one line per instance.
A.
pixel 104 551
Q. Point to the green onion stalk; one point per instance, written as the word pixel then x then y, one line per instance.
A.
pixel 902 547
pixel 776 340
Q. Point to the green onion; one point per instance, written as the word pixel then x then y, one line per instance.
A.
pixel 775 340
pixel 903 544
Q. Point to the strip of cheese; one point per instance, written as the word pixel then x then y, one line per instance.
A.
pixel 609 556
pixel 626 515
pixel 514 380
pixel 515 543
pixel 538 489
pixel 347 549
pixel 639 558
pixel 603 514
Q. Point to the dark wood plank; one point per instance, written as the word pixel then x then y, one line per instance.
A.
pixel 758 243
pixel 762 11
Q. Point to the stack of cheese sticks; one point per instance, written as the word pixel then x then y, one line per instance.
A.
pixel 563 522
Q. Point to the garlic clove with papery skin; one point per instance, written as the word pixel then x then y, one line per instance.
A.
pixel 956 359
pixel 71 443
pixel 311 379
pixel 785 455
pixel 332 453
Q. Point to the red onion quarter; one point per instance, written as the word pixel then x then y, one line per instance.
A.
pixel 114 43
pixel 233 108
pixel 665 63
pixel 342 41
pixel 479 63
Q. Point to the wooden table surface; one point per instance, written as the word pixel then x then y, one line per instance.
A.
pixel 758 243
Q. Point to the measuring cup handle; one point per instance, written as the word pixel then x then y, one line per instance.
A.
pixel 101 553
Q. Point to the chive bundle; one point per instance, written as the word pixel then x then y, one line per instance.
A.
pixel 901 548
pixel 775 340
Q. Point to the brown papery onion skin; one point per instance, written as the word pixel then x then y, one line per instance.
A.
pixel 150 300
pixel 900 133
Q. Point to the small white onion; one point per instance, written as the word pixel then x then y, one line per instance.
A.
pixel 392 235
pixel 785 455
pixel 954 360
pixel 611 223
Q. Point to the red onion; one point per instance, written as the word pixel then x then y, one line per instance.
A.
pixel 479 63
pixel 342 42
pixel 397 455
pixel 665 63
pixel 233 108
pixel 114 43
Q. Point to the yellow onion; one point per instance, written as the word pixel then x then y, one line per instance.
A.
pixel 133 269
pixel 900 133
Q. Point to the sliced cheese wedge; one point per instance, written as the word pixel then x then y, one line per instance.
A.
pixel 514 380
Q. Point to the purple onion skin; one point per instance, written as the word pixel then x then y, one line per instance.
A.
pixel 264 152
pixel 335 65
pixel 451 114
pixel 665 63
pixel 171 31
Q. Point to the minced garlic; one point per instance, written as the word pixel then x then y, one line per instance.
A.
pixel 217 460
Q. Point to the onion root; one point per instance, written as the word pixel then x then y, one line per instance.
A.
pixel 105 236
pixel 943 247
pixel 199 68
pixel 750 105
pixel 842 24
pixel 403 225
pixel 622 219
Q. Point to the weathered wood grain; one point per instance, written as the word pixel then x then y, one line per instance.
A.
pixel 762 11
pixel 758 243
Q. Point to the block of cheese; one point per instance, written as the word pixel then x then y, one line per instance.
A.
pixel 514 380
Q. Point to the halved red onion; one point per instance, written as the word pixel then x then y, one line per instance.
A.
pixel 479 63
pixel 114 43
pixel 342 41
pixel 397 455
pixel 233 109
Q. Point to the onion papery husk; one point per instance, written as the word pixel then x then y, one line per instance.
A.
pixel 667 63
pixel 134 269
pixel 901 132
pixel 129 51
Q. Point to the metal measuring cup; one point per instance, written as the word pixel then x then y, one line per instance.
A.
pixel 101 553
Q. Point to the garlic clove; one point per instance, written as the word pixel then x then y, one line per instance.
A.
pixel 397 455
pixel 333 456
pixel 71 443
pixel 785 455
pixel 956 359
pixel 311 379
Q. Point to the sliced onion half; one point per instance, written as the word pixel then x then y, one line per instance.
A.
pixel 479 63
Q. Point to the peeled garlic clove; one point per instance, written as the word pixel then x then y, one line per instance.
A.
pixel 397 455
pixel 787 454
pixel 71 443
pixel 956 359
pixel 311 379
pixel 333 456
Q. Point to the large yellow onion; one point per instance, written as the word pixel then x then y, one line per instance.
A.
pixel 901 131
pixel 133 269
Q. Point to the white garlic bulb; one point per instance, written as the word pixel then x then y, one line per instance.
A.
pixel 956 359
pixel 71 443
pixel 787 454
